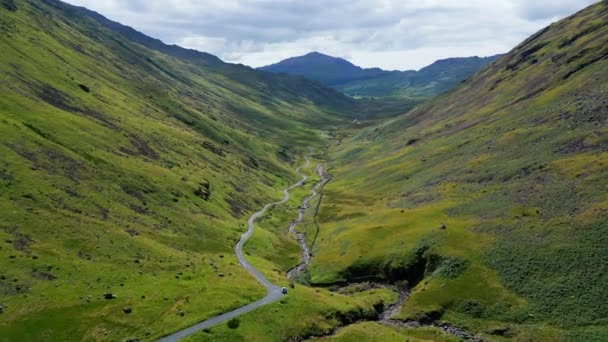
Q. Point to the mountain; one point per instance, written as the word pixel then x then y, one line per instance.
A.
pixel 328 70
pixel 128 169
pixel 355 81
pixel 425 83
pixel 131 34
pixel 489 200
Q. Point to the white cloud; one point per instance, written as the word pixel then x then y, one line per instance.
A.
pixel 392 34
pixel 213 45
pixel 549 9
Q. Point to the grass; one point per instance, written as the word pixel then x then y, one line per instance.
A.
pixel 371 331
pixel 271 248
pixel 130 172
pixel 305 312
pixel 492 196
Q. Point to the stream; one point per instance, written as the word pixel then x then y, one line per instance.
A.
pixel 301 237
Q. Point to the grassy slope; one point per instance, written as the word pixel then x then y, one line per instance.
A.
pixel 513 164
pixel 305 312
pixel 107 149
pixel 418 86
pixel 372 331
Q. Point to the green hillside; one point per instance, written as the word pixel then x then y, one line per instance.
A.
pixel 408 87
pixel 419 85
pixel 129 169
pixel 130 172
pixel 491 199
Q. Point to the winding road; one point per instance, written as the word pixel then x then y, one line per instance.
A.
pixel 273 292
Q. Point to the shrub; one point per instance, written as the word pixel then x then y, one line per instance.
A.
pixel 234 323
pixel 471 307
pixel 452 268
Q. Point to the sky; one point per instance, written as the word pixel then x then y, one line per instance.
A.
pixel 390 34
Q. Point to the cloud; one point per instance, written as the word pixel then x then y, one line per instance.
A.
pixel 393 34
pixel 550 9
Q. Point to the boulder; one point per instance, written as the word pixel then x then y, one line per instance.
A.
pixel 109 295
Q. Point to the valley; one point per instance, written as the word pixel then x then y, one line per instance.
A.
pixel 154 193
pixel 274 292
pixel 125 174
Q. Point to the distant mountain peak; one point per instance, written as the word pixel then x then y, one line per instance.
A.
pixel 356 81
pixel 321 67
pixel 317 54
pixel 313 56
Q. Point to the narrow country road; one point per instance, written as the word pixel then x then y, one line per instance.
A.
pixel 273 292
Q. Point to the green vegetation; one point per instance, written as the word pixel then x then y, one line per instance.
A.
pixel 490 199
pixel 421 85
pixel 371 331
pixel 408 88
pixel 233 323
pixel 128 170
pixel 127 176
pixel 304 313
